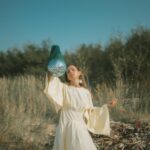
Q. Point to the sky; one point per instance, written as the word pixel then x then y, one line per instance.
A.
pixel 69 23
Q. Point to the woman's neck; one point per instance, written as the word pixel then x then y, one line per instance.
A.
pixel 75 83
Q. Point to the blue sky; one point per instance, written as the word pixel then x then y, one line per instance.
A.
pixel 68 23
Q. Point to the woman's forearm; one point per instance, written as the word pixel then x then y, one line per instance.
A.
pixel 49 76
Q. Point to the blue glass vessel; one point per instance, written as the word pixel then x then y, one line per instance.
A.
pixel 56 63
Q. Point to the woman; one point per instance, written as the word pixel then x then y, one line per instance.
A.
pixel 77 113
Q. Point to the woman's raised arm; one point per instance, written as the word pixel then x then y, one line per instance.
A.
pixel 54 90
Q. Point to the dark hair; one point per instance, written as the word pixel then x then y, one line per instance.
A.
pixel 81 77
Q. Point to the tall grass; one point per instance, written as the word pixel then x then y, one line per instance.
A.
pixel 131 105
pixel 25 112
pixel 26 115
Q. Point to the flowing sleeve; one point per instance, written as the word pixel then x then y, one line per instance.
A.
pixel 97 118
pixel 54 92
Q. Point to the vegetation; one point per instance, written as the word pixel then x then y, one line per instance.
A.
pixel 120 70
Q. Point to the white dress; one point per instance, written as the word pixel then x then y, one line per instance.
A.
pixel 77 116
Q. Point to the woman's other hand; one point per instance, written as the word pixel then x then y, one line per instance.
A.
pixel 112 103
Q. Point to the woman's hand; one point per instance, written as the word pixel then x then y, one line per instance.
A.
pixel 112 103
pixel 49 76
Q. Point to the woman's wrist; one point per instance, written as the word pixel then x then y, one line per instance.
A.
pixel 112 103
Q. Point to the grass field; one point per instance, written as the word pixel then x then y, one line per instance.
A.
pixel 27 117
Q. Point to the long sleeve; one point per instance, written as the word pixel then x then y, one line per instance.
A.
pixel 54 92
pixel 97 119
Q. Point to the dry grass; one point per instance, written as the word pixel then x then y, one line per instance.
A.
pixel 26 116
pixel 128 108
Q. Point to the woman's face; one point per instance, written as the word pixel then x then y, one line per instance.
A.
pixel 73 73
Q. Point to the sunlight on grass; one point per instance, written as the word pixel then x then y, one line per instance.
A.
pixel 27 117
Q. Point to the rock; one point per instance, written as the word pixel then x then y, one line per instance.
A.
pixel 121 145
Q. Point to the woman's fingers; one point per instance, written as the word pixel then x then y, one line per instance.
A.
pixel 112 103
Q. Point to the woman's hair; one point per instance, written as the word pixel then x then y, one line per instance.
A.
pixel 83 82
